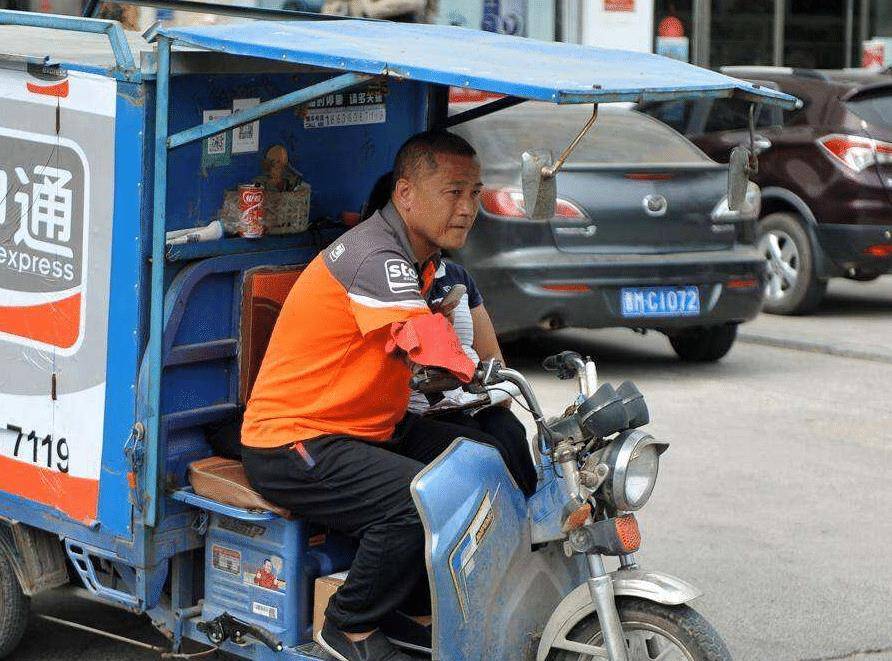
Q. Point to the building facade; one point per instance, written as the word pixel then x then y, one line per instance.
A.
pixel 823 34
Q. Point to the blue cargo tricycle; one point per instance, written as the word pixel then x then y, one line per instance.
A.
pixel 124 345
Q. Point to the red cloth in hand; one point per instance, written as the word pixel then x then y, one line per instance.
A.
pixel 430 340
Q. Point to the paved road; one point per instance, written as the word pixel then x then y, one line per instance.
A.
pixel 854 320
pixel 774 497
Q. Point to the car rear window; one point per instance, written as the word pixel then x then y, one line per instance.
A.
pixel 619 136
pixel 873 107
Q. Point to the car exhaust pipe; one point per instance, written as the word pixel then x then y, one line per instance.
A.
pixel 551 322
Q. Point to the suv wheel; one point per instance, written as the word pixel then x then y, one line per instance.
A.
pixel 793 284
pixel 703 345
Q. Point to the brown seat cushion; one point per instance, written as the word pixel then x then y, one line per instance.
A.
pixel 224 480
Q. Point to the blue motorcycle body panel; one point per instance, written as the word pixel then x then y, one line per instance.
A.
pixel 491 592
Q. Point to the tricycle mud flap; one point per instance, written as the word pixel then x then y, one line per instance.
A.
pixel 490 592
pixel 652 586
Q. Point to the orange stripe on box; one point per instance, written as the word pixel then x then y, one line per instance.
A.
pixel 59 89
pixel 75 496
pixel 56 323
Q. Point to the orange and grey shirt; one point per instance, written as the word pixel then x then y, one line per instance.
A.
pixel 326 370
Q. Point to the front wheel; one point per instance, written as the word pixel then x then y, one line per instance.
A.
pixel 14 608
pixel 653 632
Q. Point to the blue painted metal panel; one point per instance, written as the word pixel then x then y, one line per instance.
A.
pixel 123 342
pixel 187 495
pixel 480 559
pixel 256 578
pixel 325 156
pixel 445 55
pixel 274 105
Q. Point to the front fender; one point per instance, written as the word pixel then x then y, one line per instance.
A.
pixel 652 586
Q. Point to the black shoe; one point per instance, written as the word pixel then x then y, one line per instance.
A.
pixel 402 630
pixel 374 648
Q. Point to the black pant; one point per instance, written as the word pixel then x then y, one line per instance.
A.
pixel 362 489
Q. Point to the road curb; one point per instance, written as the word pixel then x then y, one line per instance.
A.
pixel 842 350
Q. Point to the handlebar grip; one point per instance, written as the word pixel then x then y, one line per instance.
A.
pixel 431 380
pixel 564 363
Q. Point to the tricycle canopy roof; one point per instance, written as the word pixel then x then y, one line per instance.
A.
pixel 444 55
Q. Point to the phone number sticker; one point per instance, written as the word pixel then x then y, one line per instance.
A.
pixel 323 118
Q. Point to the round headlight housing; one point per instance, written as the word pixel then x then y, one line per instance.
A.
pixel 634 461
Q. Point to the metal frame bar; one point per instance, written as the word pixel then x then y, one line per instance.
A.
pixel 780 16
pixel 248 115
pixel 483 111
pixel 156 314
pixel 111 29
pixel 240 11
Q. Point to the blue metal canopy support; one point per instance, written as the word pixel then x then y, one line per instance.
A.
pixel 248 115
pixel 156 315
pixel 111 29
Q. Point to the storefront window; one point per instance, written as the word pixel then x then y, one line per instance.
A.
pixel 882 19
pixel 814 34
pixel 742 33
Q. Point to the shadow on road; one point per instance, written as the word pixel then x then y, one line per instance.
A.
pixel 846 304
pixel 529 352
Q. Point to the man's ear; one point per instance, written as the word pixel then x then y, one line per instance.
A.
pixel 403 193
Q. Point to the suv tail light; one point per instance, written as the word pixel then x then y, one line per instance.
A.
pixel 855 152
pixel 508 203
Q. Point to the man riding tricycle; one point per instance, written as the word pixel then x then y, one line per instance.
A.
pixel 153 294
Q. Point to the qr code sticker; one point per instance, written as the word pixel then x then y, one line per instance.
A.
pixel 217 144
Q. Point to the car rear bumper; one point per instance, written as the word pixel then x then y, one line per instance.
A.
pixel 519 287
pixel 846 246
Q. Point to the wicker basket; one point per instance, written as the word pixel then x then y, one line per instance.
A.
pixel 283 213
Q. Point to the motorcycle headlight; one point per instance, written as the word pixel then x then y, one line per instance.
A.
pixel 634 461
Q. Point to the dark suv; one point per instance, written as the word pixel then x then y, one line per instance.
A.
pixel 825 171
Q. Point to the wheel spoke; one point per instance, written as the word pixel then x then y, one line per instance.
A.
pixel 637 646
pixel 789 273
pixel 774 247
pixel 774 286
pixel 665 654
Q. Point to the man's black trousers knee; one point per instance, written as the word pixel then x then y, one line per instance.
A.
pixel 361 488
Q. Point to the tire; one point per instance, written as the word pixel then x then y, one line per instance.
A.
pixel 14 606
pixel 646 624
pixel 793 283
pixel 703 345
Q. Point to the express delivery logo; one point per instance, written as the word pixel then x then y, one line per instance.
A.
pixel 44 203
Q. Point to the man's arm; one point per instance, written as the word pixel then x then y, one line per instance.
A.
pixel 486 344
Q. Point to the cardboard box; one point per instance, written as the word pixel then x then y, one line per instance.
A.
pixel 325 587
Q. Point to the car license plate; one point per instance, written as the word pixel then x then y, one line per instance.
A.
pixel 660 301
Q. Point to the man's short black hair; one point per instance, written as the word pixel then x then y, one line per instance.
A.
pixel 421 149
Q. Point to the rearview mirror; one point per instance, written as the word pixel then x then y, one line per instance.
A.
pixel 738 177
pixel 539 190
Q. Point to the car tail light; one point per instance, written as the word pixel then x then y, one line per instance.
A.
pixel 879 250
pixel 855 152
pixel 649 176
pixel 573 287
pixel 508 203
